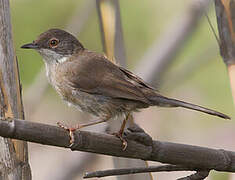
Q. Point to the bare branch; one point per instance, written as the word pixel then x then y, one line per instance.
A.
pixel 197 176
pixel 126 171
pixel 7 152
pixel 164 152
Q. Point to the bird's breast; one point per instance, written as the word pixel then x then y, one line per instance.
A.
pixel 95 104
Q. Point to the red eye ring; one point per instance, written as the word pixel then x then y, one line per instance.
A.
pixel 53 42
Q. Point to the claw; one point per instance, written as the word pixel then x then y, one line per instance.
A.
pixel 124 142
pixel 71 132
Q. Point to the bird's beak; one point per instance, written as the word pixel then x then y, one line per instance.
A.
pixel 30 46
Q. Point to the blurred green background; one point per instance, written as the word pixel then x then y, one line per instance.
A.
pixel 143 23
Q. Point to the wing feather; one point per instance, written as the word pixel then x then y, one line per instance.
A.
pixel 97 75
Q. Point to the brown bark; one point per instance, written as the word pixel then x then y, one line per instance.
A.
pixel 11 102
pixel 162 168
pixel 139 146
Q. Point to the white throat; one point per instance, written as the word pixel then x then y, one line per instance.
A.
pixel 63 59
pixel 52 57
pixel 53 65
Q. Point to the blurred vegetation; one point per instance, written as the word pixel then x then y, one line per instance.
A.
pixel 219 176
pixel 143 22
pixel 30 18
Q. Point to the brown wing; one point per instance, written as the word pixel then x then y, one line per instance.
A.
pixel 93 73
pixel 136 80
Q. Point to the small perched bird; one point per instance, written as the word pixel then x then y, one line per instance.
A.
pixel 93 84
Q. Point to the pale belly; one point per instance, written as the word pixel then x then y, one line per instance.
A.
pixel 96 105
pixel 100 106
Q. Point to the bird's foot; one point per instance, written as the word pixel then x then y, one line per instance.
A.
pixel 71 131
pixel 120 136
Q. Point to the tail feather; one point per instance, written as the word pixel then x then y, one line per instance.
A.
pixel 168 102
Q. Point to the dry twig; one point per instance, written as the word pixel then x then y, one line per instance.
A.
pixel 126 171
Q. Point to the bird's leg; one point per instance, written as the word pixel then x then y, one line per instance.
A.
pixel 119 134
pixel 78 126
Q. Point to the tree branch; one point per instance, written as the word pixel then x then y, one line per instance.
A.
pixel 199 175
pixel 164 152
pixel 126 171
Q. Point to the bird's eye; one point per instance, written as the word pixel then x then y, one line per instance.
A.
pixel 53 42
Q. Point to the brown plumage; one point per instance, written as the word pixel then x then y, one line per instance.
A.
pixel 91 82
pixel 117 89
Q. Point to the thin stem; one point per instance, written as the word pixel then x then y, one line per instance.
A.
pixel 126 171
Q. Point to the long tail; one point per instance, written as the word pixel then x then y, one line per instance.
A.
pixel 168 102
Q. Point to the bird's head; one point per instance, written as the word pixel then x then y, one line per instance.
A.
pixel 55 45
